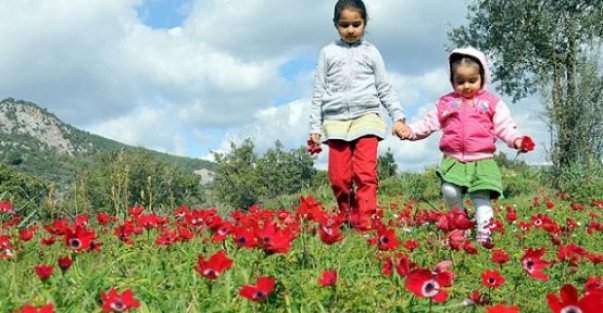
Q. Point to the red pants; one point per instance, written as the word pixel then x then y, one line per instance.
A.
pixel 354 163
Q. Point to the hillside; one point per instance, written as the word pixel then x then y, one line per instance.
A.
pixel 36 142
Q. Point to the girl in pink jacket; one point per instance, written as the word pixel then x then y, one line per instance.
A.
pixel 471 119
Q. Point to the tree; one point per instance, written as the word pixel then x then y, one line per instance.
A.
pixel 387 166
pixel 242 178
pixel 535 43
pixel 135 177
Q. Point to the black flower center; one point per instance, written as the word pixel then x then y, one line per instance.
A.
pixel 571 309
pixel 118 306
pixel 75 243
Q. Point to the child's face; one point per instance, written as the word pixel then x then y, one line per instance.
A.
pixel 350 26
pixel 467 80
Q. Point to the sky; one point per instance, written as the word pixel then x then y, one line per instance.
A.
pixel 188 77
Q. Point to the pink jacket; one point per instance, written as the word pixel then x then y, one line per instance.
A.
pixel 469 131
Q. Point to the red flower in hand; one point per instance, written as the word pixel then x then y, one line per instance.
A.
pixel 527 144
pixel 313 147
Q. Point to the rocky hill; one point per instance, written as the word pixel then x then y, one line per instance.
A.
pixel 38 143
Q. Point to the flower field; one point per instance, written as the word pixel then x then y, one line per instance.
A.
pixel 545 256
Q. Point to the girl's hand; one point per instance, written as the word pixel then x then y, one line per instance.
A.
pixel 313 144
pixel 401 130
pixel 315 137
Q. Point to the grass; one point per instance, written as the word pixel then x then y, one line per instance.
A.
pixel 163 280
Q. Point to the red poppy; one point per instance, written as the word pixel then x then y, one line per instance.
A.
pixel 78 238
pixel 492 279
pixel 499 308
pixel 103 218
pixel 44 271
pixel 214 266
pixel 571 302
pixel 533 264
pixel 385 239
pixel 593 284
pixel 499 256
pixel 313 147
pixel 328 278
pixel 27 233
pixel 411 244
pixel 274 240
pixel 511 214
pixel 6 249
pixel 330 234
pixel 28 308
pixel 478 299
pixel 260 291
pixel 243 237
pixel 65 263
pixel 167 237
pixel 135 210
pixel 404 265
pixel 6 207
pixel 425 284
pixel 527 144
pixel 115 302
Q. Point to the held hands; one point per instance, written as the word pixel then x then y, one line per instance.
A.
pixel 401 130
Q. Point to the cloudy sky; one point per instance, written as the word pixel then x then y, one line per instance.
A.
pixel 188 77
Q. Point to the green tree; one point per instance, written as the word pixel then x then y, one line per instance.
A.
pixel 242 178
pixel 535 43
pixel 24 191
pixel 123 178
pixel 387 165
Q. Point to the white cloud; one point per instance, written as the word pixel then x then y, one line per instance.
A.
pixel 216 78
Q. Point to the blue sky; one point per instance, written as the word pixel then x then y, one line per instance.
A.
pixel 188 77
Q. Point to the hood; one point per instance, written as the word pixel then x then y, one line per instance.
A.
pixel 472 52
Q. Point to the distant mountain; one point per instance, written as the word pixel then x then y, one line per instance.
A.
pixel 36 142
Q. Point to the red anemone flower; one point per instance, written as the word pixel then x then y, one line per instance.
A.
pixel 243 237
pixel 385 240
pixel 28 308
pixel 492 279
pixel 499 308
pixel 115 302
pixel 214 266
pixel 328 279
pixel 313 147
pixel 65 263
pixel 260 291
pixel 499 256
pixel 570 301
pixel 79 238
pixel 44 271
pixel 425 284
pixel 533 264
pixel 527 144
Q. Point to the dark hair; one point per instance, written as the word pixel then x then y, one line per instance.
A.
pixel 457 59
pixel 349 4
